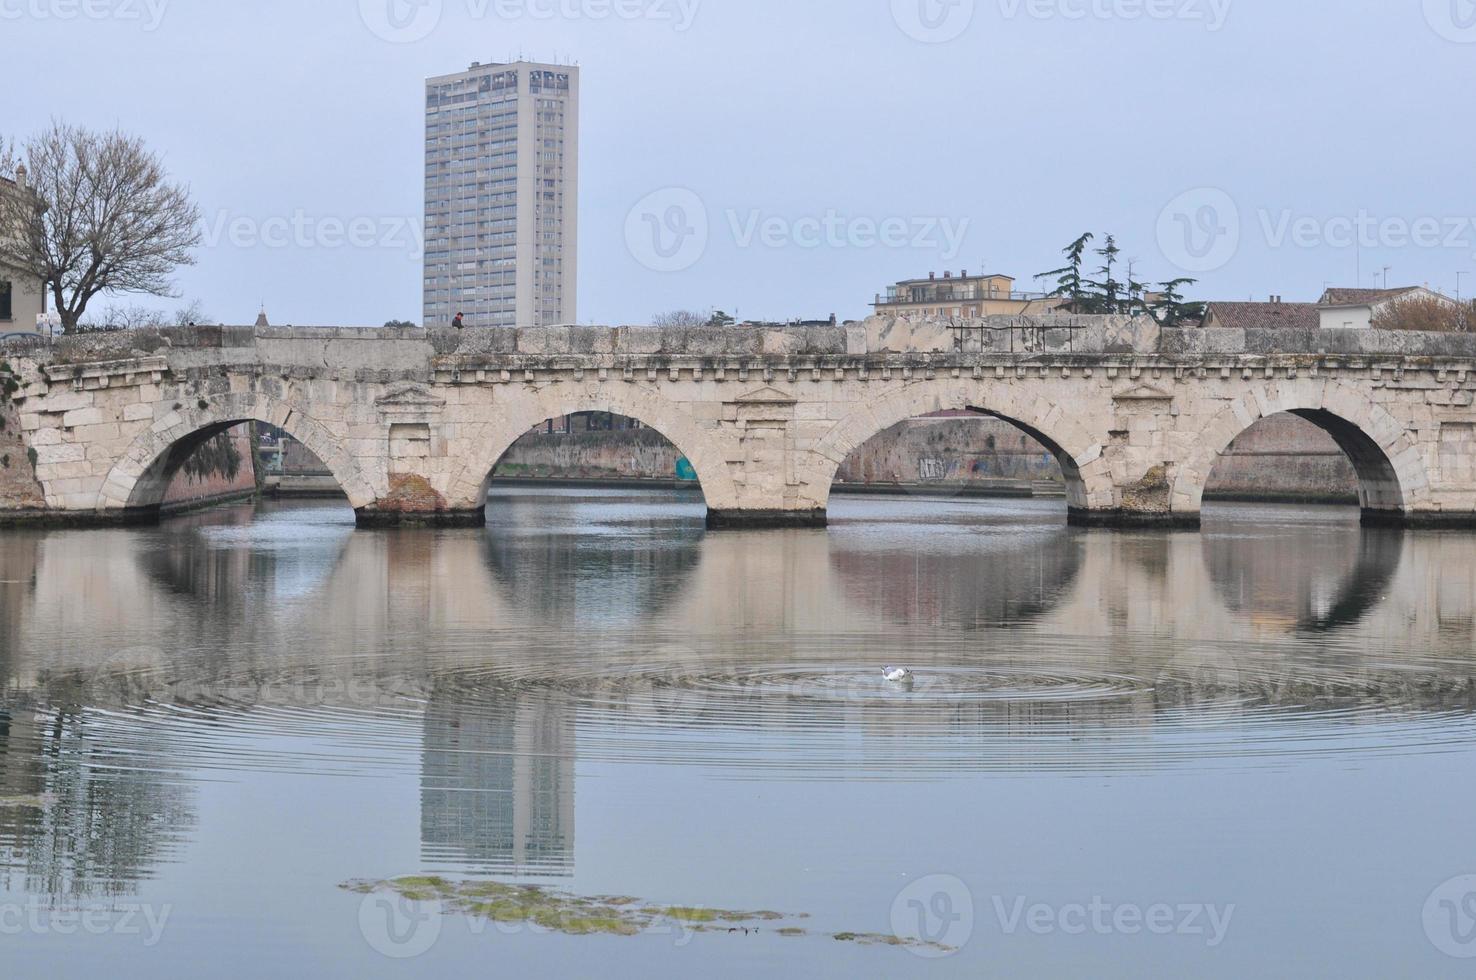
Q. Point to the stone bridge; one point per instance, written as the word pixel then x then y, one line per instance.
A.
pixel 412 423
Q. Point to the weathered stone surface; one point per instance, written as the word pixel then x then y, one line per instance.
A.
pixel 411 423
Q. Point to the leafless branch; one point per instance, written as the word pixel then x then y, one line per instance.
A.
pixel 99 215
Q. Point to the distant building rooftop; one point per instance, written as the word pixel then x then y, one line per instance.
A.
pixel 962 295
pixel 1362 297
pixel 1246 316
pixel 949 277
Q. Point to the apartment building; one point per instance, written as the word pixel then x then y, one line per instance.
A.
pixel 501 195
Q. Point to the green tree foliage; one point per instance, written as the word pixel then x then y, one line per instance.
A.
pixel 1107 294
pixel 1170 309
pixel 1070 283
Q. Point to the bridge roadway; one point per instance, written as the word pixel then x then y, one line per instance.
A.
pixel 412 423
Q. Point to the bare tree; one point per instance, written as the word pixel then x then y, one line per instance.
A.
pixel 191 315
pixel 1428 313
pixel 100 216
pixel 116 316
pixel 680 318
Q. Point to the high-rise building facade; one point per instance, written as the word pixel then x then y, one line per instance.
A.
pixel 501 195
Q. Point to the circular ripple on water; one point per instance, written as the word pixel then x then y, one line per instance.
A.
pixel 865 684
pixel 799 706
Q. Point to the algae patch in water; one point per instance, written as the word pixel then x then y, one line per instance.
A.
pixel 879 939
pixel 572 915
pixel 600 915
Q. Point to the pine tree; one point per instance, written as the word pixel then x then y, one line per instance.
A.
pixel 1108 291
pixel 1137 293
pixel 1171 310
pixel 1069 280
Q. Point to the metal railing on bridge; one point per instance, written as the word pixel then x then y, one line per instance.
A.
pixel 1018 335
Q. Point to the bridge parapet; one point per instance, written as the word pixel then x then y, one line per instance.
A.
pixel 409 349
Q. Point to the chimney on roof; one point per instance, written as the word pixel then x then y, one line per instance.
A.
pixel 932 276
pixel 947 274
pixel 20 175
pixel 964 274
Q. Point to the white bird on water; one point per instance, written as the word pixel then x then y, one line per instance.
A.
pixel 897 674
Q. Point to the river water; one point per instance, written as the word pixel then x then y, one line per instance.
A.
pixel 1246 751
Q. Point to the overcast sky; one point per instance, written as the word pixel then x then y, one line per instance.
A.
pixel 783 158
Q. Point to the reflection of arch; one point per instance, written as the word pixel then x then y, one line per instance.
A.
pixel 137 482
pixel 1391 470
pixel 1088 482
pixel 553 576
pixel 959 581
pixel 280 558
pixel 1307 579
pixel 519 410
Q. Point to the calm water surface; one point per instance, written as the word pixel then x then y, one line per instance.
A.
pixel 1268 729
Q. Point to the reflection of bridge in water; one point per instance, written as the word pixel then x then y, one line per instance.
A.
pixel 1303 578
pixel 660 643
pixel 333 594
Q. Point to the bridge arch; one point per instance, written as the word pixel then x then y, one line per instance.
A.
pixel 1088 480
pixel 1392 477
pixel 517 412
pixel 138 480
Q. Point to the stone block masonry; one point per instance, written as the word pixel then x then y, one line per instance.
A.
pixel 412 423
pixel 1279 459
pixel 20 492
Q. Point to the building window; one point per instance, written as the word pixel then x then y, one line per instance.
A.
pixel 5 310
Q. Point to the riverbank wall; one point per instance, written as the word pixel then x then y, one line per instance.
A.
pixel 1283 458
pixel 220 471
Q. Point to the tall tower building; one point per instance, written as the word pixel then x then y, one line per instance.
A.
pixel 502 195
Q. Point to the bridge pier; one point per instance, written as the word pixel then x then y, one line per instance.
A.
pixel 754 520
pixel 1421 520
pixel 1133 519
pixel 372 519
